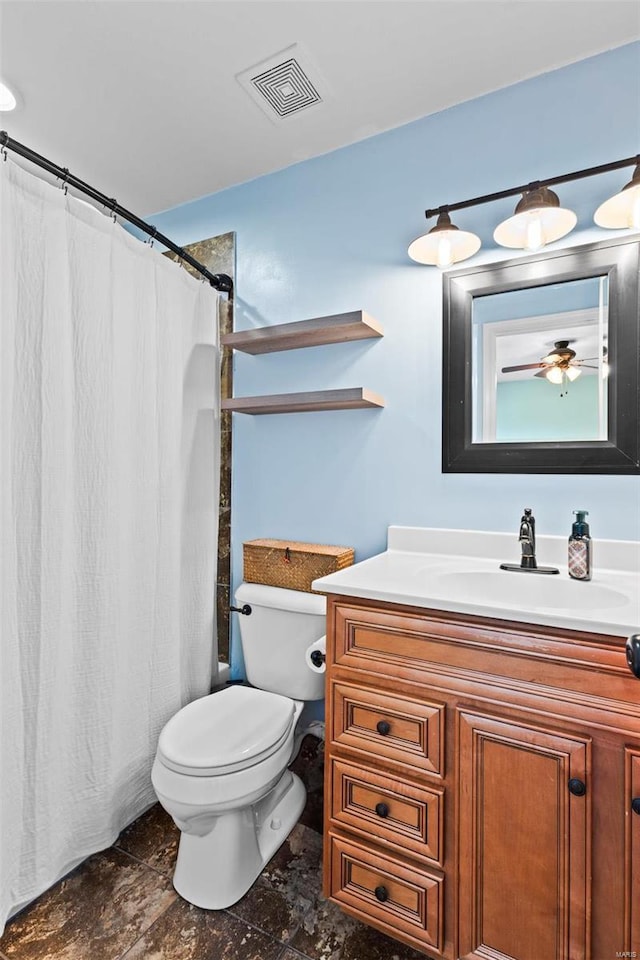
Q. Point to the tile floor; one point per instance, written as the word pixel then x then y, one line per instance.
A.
pixel 120 903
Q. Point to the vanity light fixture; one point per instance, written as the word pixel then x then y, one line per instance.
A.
pixel 623 209
pixel 444 244
pixel 538 219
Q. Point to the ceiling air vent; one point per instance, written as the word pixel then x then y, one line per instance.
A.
pixel 285 85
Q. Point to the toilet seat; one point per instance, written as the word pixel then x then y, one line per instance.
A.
pixel 226 732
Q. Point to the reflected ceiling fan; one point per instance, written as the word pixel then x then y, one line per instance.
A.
pixel 559 365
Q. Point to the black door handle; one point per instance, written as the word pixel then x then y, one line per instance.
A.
pixel 382 810
pixel 381 893
pixel 383 727
pixel 633 654
pixel 577 787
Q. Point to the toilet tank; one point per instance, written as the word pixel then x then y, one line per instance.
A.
pixel 275 637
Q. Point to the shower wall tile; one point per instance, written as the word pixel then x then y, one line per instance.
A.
pixel 223 601
pixel 97 912
pixel 218 254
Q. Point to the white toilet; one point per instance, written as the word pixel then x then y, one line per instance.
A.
pixel 221 764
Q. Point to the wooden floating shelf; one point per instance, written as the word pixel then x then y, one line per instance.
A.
pixel 352 398
pixel 339 328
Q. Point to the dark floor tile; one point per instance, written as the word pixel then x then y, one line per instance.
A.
pixel 268 909
pixel 96 912
pixel 309 765
pixel 185 932
pixel 329 934
pixel 287 887
pixel 152 838
pixel 297 866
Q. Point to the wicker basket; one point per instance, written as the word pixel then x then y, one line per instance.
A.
pixel 286 563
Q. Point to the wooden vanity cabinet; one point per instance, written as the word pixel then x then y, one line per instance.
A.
pixel 480 783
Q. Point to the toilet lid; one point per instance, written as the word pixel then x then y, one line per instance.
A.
pixel 226 731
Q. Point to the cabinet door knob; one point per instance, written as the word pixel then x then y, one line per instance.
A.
pixel 383 727
pixel 577 787
pixel 381 893
pixel 383 810
pixel 633 654
pixel 635 804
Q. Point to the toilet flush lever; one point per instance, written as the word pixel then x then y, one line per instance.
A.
pixel 245 609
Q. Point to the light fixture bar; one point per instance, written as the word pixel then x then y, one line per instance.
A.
pixel 534 185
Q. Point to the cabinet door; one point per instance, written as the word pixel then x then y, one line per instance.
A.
pixel 632 873
pixel 523 840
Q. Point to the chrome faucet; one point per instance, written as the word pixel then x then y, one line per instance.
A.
pixel 527 539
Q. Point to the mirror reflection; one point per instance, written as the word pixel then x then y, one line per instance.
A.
pixel 539 363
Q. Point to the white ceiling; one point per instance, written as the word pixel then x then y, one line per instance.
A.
pixel 140 98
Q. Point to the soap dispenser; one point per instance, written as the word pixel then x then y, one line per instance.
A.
pixel 580 548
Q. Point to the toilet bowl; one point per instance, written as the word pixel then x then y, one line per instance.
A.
pixel 221 765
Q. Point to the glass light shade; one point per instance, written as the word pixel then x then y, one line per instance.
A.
pixel 554 375
pixel 539 219
pixel 444 244
pixel 551 357
pixel 7 99
pixel 573 372
pixel 623 209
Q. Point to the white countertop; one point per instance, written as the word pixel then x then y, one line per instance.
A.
pixel 459 571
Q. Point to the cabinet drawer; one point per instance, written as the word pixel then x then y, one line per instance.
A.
pixel 381 891
pixel 395 729
pixel 388 810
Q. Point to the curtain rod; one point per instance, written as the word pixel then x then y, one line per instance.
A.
pixel 535 185
pixel 220 281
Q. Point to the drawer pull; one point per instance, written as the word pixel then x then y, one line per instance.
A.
pixel 383 727
pixel 635 805
pixel 577 787
pixel 633 654
pixel 383 810
pixel 381 894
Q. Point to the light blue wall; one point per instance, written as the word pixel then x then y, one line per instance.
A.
pixel 535 409
pixel 331 234
pixel 538 301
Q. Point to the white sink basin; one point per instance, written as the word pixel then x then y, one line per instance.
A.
pixel 526 590
pixel 459 571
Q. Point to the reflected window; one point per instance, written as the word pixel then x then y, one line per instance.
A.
pixel 539 363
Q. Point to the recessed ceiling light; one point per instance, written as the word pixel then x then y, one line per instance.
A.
pixel 8 99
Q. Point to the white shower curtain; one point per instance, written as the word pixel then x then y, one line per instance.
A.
pixel 109 446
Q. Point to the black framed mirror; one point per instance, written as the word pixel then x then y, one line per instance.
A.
pixel 541 363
